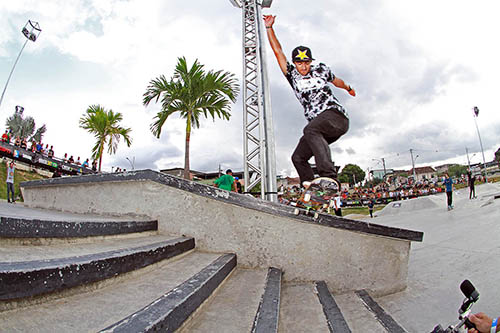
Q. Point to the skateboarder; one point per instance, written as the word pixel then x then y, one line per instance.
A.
pixel 448 183
pixel 328 120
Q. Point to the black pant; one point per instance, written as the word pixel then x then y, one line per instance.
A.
pixel 10 189
pixel 472 190
pixel 449 196
pixel 323 130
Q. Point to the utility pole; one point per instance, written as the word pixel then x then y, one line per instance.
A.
pixel 468 160
pixel 475 115
pixel 413 166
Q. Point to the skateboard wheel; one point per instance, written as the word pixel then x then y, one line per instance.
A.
pixel 316 215
pixel 307 197
pixel 296 211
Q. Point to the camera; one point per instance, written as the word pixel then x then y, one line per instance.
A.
pixel 471 297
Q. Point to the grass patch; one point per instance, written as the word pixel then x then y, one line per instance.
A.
pixel 360 210
pixel 19 177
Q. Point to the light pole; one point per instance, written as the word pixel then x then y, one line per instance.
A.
pixel 31 31
pixel 383 163
pixel 413 165
pixel 258 137
pixel 131 163
pixel 475 115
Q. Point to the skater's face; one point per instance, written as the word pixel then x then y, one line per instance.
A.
pixel 303 67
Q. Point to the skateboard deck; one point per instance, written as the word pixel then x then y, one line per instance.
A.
pixel 317 197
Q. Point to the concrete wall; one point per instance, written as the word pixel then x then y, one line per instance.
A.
pixel 305 251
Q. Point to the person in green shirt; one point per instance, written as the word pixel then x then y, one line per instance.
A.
pixel 226 181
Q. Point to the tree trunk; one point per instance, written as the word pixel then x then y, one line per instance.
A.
pixel 100 156
pixel 186 153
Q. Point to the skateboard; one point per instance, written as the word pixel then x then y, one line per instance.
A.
pixel 317 197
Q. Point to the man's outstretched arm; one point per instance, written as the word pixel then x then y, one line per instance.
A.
pixel 275 44
pixel 339 83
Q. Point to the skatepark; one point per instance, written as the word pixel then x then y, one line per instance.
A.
pixel 78 245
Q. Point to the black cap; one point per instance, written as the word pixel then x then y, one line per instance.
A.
pixel 229 171
pixel 302 53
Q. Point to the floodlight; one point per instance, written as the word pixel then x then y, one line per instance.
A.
pixel 31 30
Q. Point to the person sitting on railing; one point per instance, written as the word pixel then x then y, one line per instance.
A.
pixel 17 141
pixel 71 159
pixel 65 158
pixel 6 137
pixel 85 164
pixel 51 152
pixel 39 147
pixel 94 165
pixel 78 161
pixel 24 143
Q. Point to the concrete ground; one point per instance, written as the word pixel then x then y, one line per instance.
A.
pixel 460 244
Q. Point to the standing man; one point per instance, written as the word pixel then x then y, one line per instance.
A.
pixel 226 181
pixel 448 183
pixel 10 182
pixel 328 120
pixel 472 190
pixel 337 205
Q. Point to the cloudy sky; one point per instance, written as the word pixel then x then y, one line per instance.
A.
pixel 418 68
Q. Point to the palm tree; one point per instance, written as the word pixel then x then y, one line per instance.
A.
pixel 106 129
pixel 191 92
pixel 24 127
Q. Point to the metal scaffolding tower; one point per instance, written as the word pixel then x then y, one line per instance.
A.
pixel 258 140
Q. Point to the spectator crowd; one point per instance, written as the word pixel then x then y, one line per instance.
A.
pixel 38 147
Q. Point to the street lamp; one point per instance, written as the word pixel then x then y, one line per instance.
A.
pixel 31 31
pixel 475 115
pixel 131 163
pixel 383 163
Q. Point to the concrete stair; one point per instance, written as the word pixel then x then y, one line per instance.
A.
pixel 78 273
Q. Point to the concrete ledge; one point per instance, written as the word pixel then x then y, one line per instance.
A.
pixel 33 278
pixel 229 197
pixel 167 313
pixel 26 228
pixel 348 254
pixel 335 319
pixel 267 317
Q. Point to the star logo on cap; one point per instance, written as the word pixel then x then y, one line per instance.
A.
pixel 302 55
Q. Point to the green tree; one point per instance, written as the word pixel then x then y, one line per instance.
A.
pixel 457 170
pixel 24 127
pixel 191 92
pixel 351 173
pixel 105 126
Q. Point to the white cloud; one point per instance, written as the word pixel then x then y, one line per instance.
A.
pixel 418 69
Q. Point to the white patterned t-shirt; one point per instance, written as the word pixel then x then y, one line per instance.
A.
pixel 314 90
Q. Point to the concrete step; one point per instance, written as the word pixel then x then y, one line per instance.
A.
pixel 363 314
pixel 357 316
pixel 301 310
pixel 157 298
pixel 233 306
pixel 55 268
pixel 19 222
